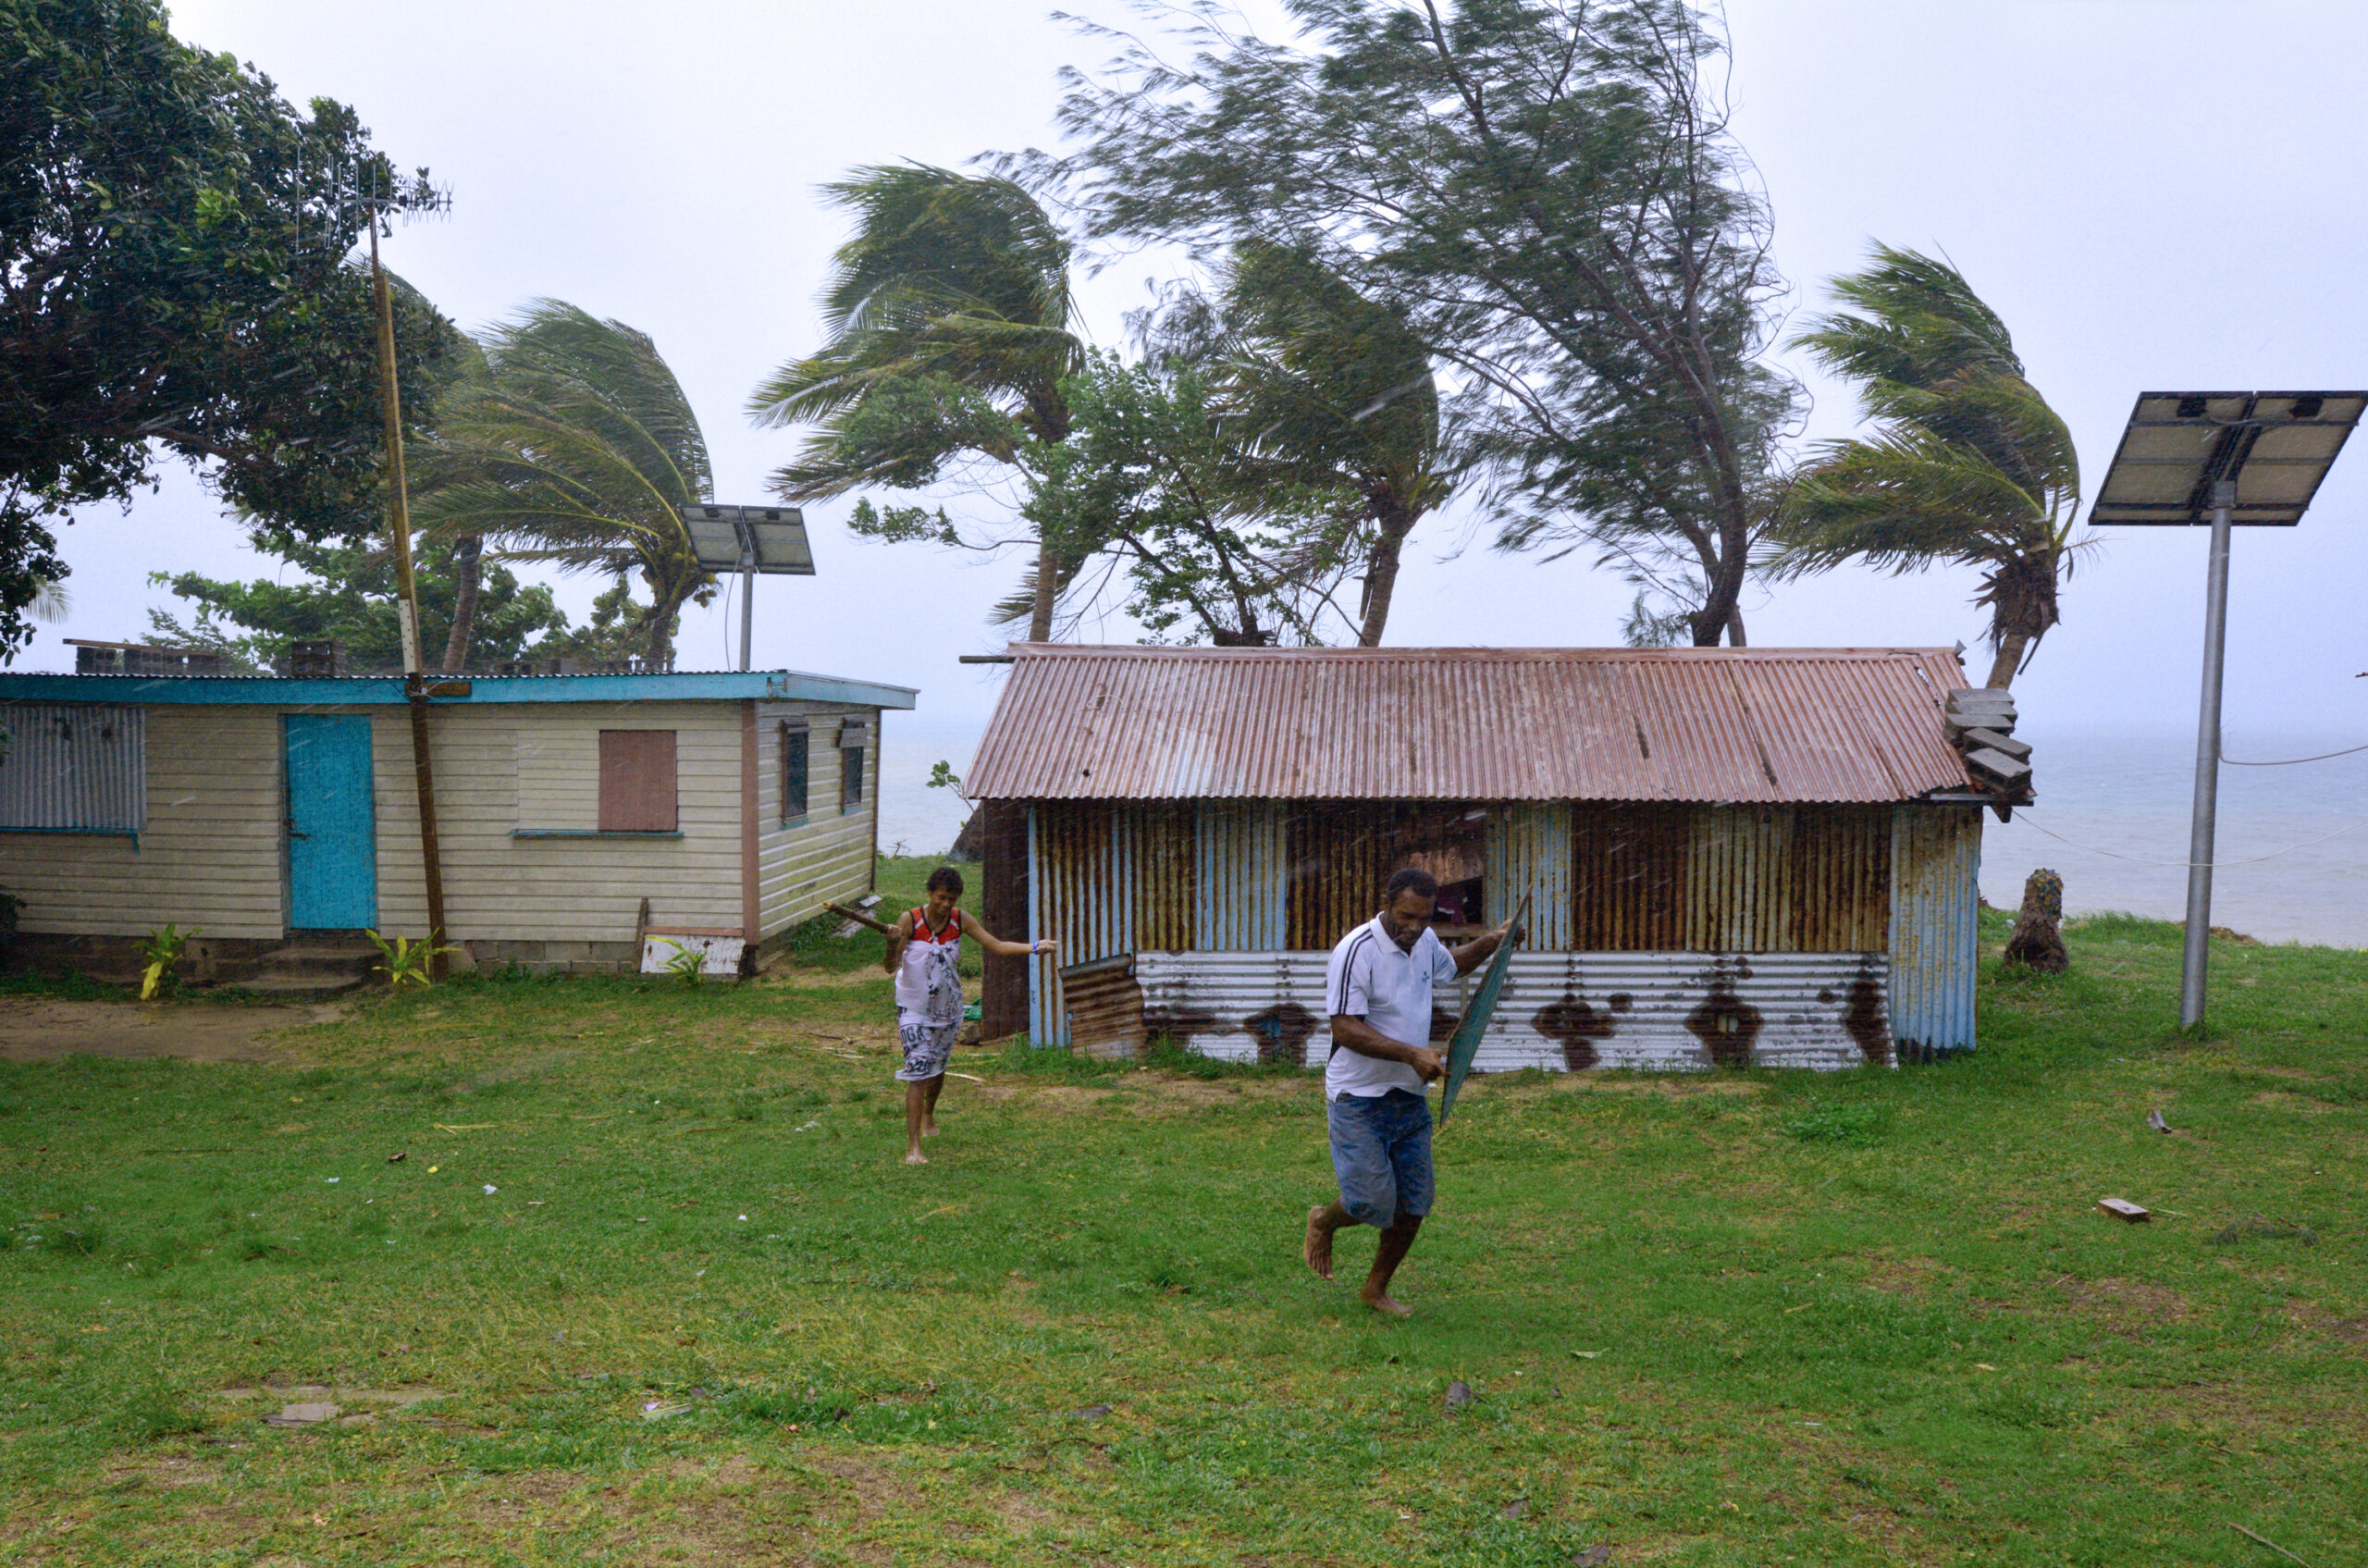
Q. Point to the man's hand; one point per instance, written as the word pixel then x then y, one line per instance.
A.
pixel 1431 1064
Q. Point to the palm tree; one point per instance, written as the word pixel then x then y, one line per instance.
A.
pixel 950 320
pixel 1968 465
pixel 1324 387
pixel 575 447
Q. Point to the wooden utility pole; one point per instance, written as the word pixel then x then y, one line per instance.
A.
pixel 407 612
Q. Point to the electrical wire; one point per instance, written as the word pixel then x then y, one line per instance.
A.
pixel 2190 865
pixel 2290 762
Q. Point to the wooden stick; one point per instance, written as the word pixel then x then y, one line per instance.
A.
pixel 2265 1540
pixel 860 918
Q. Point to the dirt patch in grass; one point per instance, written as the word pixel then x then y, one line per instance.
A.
pixel 165 1471
pixel 42 1029
pixel 527 1496
pixel 2127 1300
pixel 2296 1105
pixel 1677 1086
pixel 875 1489
pixel 1903 1277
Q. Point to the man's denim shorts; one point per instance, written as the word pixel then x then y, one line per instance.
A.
pixel 1381 1152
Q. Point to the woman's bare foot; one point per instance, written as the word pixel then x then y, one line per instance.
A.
pixel 1318 1250
pixel 1382 1300
pixel 914 1157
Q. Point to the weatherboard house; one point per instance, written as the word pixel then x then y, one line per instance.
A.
pixel 1729 856
pixel 576 814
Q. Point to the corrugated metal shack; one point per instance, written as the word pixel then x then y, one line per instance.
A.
pixel 1732 855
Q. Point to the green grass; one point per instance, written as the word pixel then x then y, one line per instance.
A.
pixel 1863 1319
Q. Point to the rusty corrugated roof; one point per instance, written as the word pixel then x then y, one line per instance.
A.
pixel 1454 723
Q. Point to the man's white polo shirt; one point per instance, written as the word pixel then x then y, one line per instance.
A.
pixel 1371 977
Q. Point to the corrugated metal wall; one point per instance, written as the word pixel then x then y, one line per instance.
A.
pixel 1340 859
pixel 1242 874
pixel 1712 879
pixel 1935 928
pixel 1529 856
pixel 1256 876
pixel 74 767
pixel 1559 1011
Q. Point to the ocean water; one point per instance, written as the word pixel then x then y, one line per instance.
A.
pixel 2112 820
pixel 2291 863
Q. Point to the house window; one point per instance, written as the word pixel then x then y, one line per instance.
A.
pixel 637 781
pixel 73 768
pixel 852 736
pixel 793 769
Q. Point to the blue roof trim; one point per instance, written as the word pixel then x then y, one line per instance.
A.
pixel 790 685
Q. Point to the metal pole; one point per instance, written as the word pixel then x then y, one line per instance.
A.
pixel 407 611
pixel 2207 764
pixel 747 601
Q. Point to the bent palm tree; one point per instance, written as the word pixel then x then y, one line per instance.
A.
pixel 575 447
pixel 1969 464
pixel 949 320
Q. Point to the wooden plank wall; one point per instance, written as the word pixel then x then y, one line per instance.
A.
pixel 538 765
pixel 828 855
pixel 211 855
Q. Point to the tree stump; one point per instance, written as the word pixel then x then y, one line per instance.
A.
pixel 2037 943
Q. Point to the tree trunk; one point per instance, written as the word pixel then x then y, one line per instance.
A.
pixel 1734 628
pixel 2011 649
pixel 1040 618
pixel 468 572
pixel 1381 567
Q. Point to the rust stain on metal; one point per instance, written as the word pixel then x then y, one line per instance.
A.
pixel 1866 1020
pixel 1575 1027
pixel 1724 1022
pixel 1281 1031
pixel 1755 725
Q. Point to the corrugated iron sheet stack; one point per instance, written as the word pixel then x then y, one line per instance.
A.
pixel 1980 721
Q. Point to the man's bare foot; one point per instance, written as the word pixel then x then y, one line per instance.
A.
pixel 929 1130
pixel 1382 1300
pixel 1318 1250
pixel 914 1157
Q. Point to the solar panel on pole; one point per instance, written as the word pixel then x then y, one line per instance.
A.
pixel 750 541
pixel 2228 460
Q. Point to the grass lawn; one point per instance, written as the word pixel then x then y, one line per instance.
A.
pixel 650 1284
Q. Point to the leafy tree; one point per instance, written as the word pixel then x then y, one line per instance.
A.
pixel 1323 389
pixel 1206 537
pixel 174 281
pixel 575 447
pixel 350 595
pixel 1968 465
pixel 949 322
pixel 1547 189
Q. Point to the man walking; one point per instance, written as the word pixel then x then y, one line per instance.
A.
pixel 1377 1082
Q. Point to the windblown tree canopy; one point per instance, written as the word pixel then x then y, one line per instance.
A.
pixel 349 596
pixel 1968 465
pixel 174 277
pixel 950 331
pixel 1321 388
pixel 578 448
pixel 1546 190
pixel 1212 542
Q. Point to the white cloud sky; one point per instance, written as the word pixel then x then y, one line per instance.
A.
pixel 2152 193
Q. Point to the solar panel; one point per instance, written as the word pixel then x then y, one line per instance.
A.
pixel 2277 446
pixel 777 534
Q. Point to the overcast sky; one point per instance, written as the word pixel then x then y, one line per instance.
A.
pixel 2153 194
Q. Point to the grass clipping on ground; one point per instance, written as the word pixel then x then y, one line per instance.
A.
pixel 610 1272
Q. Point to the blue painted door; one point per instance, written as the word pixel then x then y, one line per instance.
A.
pixel 332 826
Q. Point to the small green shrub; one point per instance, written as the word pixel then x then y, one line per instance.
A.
pixel 161 955
pixel 1843 1126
